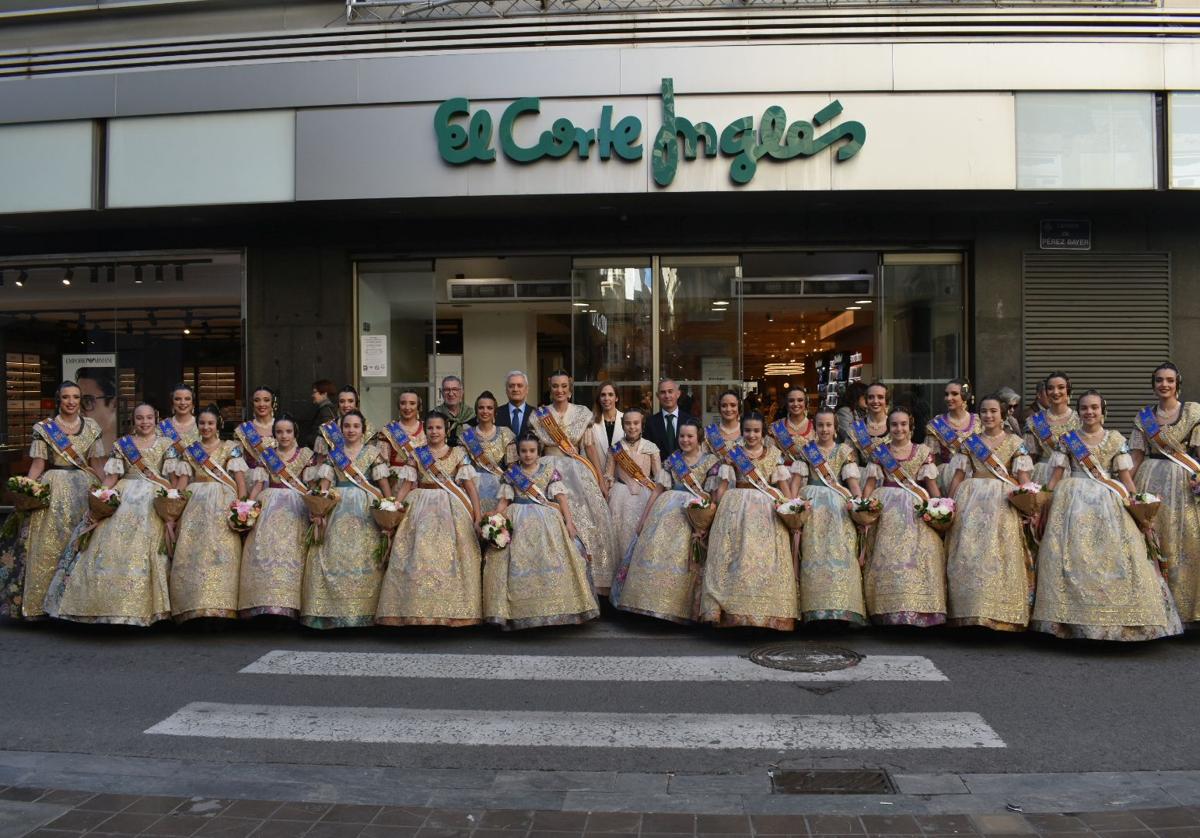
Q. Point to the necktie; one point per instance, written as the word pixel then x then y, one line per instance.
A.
pixel 670 417
pixel 515 416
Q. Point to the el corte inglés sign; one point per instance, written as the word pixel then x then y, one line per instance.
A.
pixel 465 137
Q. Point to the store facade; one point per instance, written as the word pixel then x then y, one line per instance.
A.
pixel 735 215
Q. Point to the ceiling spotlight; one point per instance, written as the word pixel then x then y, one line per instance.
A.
pixel 770 317
pixel 22 278
pixel 68 276
pixel 110 273
pixel 853 308
pixel 862 302
pixel 158 273
pixel 137 274
pixel 187 331
pixel 178 272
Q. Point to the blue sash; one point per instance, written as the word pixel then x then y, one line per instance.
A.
pixel 1149 421
pixel 886 459
pixel 251 435
pixel 429 464
pixel 200 457
pixel 862 437
pixel 333 434
pixel 813 454
pixel 469 437
pixel 1083 455
pixel 682 473
pixel 525 485
pixel 782 435
pixel 891 467
pixel 350 471
pixel 978 448
pixel 747 469
pixel 946 434
pixel 1041 426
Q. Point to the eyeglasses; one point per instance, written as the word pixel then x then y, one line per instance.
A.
pixel 89 402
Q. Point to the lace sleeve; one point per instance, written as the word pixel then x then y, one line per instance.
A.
pixel 874 471
pixel 236 464
pixel 258 475
pixel 466 472
pixel 928 472
pixel 799 467
pixel 1022 462
pixel 115 466
pixel 1059 460
pixel 851 471
pixel 961 462
pixel 39 450
pixel 555 489
pixel 320 447
pixel 726 474
pixel 323 472
pixel 96 451
pixel 663 478
pixel 1138 442
pixel 1122 462
pixel 380 471
pixel 506 492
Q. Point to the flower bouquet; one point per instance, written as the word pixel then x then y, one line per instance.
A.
pixel 102 503
pixel 1029 499
pixel 1144 506
pixel 938 513
pixel 27 495
pixel 169 503
pixel 320 502
pixel 864 511
pixel 496 530
pixel 388 512
pixel 243 514
pixel 794 512
pixel 700 513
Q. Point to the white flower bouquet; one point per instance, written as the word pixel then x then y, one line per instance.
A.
pixel 937 513
pixel 794 512
pixel 700 513
pixel 388 512
pixel 496 530
pixel 1144 506
pixel 1029 498
pixel 864 511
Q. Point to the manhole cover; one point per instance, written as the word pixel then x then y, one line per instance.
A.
pixel 805 657
pixel 832 782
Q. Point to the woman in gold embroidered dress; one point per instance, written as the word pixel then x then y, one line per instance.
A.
pixel 662 577
pixel 343 572
pixel 410 405
pixel 831 586
pixel 589 506
pixel 273 556
pixel 1095 578
pixel 499 444
pixel 629 501
pixel 263 403
pixel 988 568
pixel 1178 521
pixel 206 568
pixel 961 420
pixel 49 530
pixel 1059 419
pixel 749 577
pixel 905 579
pixel 729 408
pixel 541 577
pixel 433 572
pixel 122 575
pixel 798 425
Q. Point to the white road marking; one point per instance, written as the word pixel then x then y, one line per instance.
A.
pixel 578 668
pixel 511 728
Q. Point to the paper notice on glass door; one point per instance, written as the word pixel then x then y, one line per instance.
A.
pixel 374 356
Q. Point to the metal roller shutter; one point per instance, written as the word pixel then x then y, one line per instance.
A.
pixel 1102 318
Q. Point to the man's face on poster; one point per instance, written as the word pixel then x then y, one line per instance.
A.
pixel 95 406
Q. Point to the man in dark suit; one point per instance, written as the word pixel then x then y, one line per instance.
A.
pixel 664 425
pixel 515 414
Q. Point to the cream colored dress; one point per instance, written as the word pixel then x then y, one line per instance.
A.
pixel 273 556
pixel 1178 521
pixel 433 572
pixel 988 566
pixel 831 585
pixel 541 577
pixel 1095 578
pixel 206 568
pixel 627 498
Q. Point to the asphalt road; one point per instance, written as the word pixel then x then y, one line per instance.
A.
pixel 1056 705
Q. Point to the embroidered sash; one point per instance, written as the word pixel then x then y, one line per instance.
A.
pixel 132 455
pixel 399 439
pixel 625 460
pixel 682 472
pixel 250 439
pixel 62 445
pixel 333 435
pixel 863 440
pixel 274 463
pixel 429 464
pixel 525 485
pixel 891 466
pixel 201 458
pixel 979 449
pixel 1041 427
pixel 817 460
pixel 549 421
pixel 352 472
pixel 1083 455
pixel 747 469
pixel 787 443
pixel 477 452
pixel 946 433
pixel 1168 448
pixel 167 428
pixel 716 441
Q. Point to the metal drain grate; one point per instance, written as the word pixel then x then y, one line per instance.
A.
pixel 805 657
pixel 863 781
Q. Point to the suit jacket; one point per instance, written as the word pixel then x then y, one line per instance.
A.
pixel 657 432
pixel 503 420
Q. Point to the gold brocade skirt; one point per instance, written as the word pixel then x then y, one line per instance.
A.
pixel 990 576
pixel 540 578
pixel 625 506
pixel 50 531
pixel 749 579
pixel 208 556
pixel 662 578
pixel 122 575
pixel 905 581
pixel 342 574
pixel 488 487
pixel 273 557
pixel 1094 577
pixel 831 585
pixel 591 515
pixel 1178 527
pixel 433 572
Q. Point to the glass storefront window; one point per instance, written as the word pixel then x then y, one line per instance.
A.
pixel 612 326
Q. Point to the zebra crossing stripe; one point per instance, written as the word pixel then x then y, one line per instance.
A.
pixel 578 668
pixel 394 725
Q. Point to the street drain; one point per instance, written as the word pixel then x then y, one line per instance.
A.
pixel 805 657
pixel 831 782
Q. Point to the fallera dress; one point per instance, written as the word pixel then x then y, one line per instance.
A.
pixel 905 579
pixel 342 574
pixel 499 450
pixel 1095 579
pixel 943 454
pixel 1045 449
pixel 122 575
pixel 749 579
pixel 627 498
pixel 1178 521
pixel 831 585
pixel 206 568
pixel 433 571
pixel 541 577
pixel 989 568
pixel 661 577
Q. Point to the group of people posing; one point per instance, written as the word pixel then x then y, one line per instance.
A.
pixel 522 516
